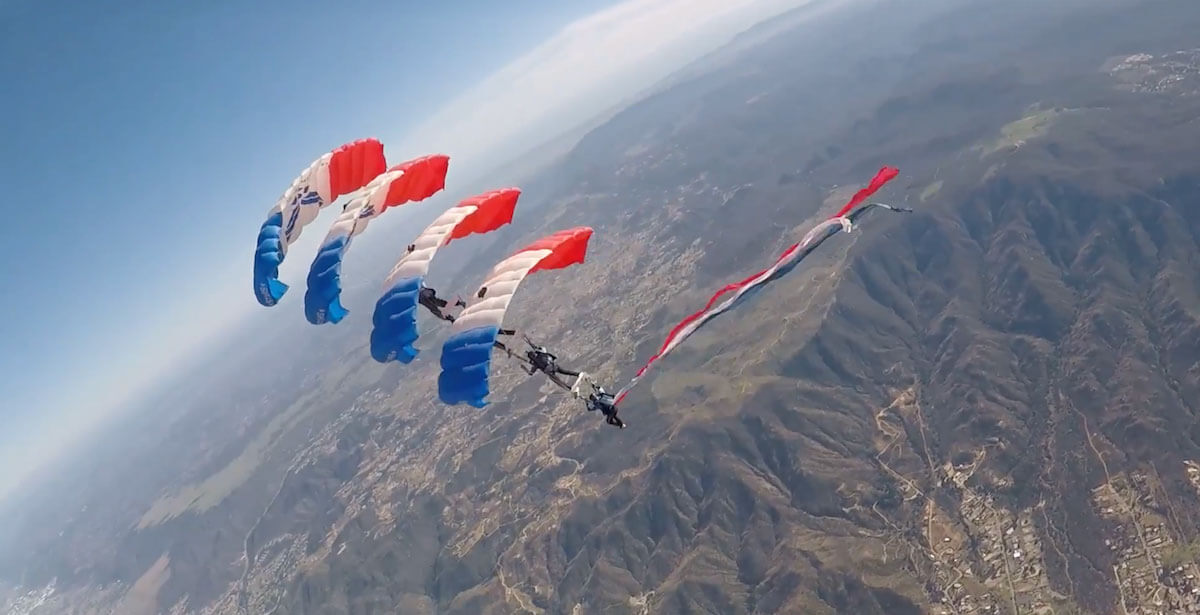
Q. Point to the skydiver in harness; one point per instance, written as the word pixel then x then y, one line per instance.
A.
pixel 602 400
pixel 428 298
pixel 542 360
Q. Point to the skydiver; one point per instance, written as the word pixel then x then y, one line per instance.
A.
pixel 602 400
pixel 542 360
pixel 428 298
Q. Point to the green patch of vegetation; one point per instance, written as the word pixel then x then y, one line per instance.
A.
pixel 209 492
pixel 206 494
pixel 1181 554
pixel 1015 134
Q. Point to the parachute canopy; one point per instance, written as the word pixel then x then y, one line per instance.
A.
pixel 395 318
pixel 339 172
pixel 466 355
pixel 735 293
pixel 414 180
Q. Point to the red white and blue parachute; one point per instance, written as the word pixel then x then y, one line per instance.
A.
pixel 395 320
pixel 339 172
pixel 409 181
pixel 733 294
pixel 466 355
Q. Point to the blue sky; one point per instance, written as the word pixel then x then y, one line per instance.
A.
pixel 144 141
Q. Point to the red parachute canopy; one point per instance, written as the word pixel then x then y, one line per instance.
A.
pixel 353 165
pixel 567 247
pixel 493 210
pixel 421 178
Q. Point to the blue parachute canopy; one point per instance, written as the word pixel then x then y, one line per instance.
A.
pixel 466 359
pixel 267 257
pixel 322 300
pixel 395 322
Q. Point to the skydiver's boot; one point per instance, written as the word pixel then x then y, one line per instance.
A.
pixel 506 332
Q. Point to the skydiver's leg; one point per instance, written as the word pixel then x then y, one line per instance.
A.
pixel 567 372
pixel 554 377
pixel 440 302
pixel 433 309
pixel 506 332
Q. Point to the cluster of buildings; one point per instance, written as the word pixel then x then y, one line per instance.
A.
pixel 989 559
pixel 1008 553
pixel 1174 72
pixel 1155 573
pixel 997 565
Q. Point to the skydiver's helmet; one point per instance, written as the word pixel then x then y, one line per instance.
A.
pixel 540 358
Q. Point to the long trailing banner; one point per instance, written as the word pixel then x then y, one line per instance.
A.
pixel 734 293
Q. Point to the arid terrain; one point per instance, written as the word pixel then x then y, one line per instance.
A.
pixel 987 406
